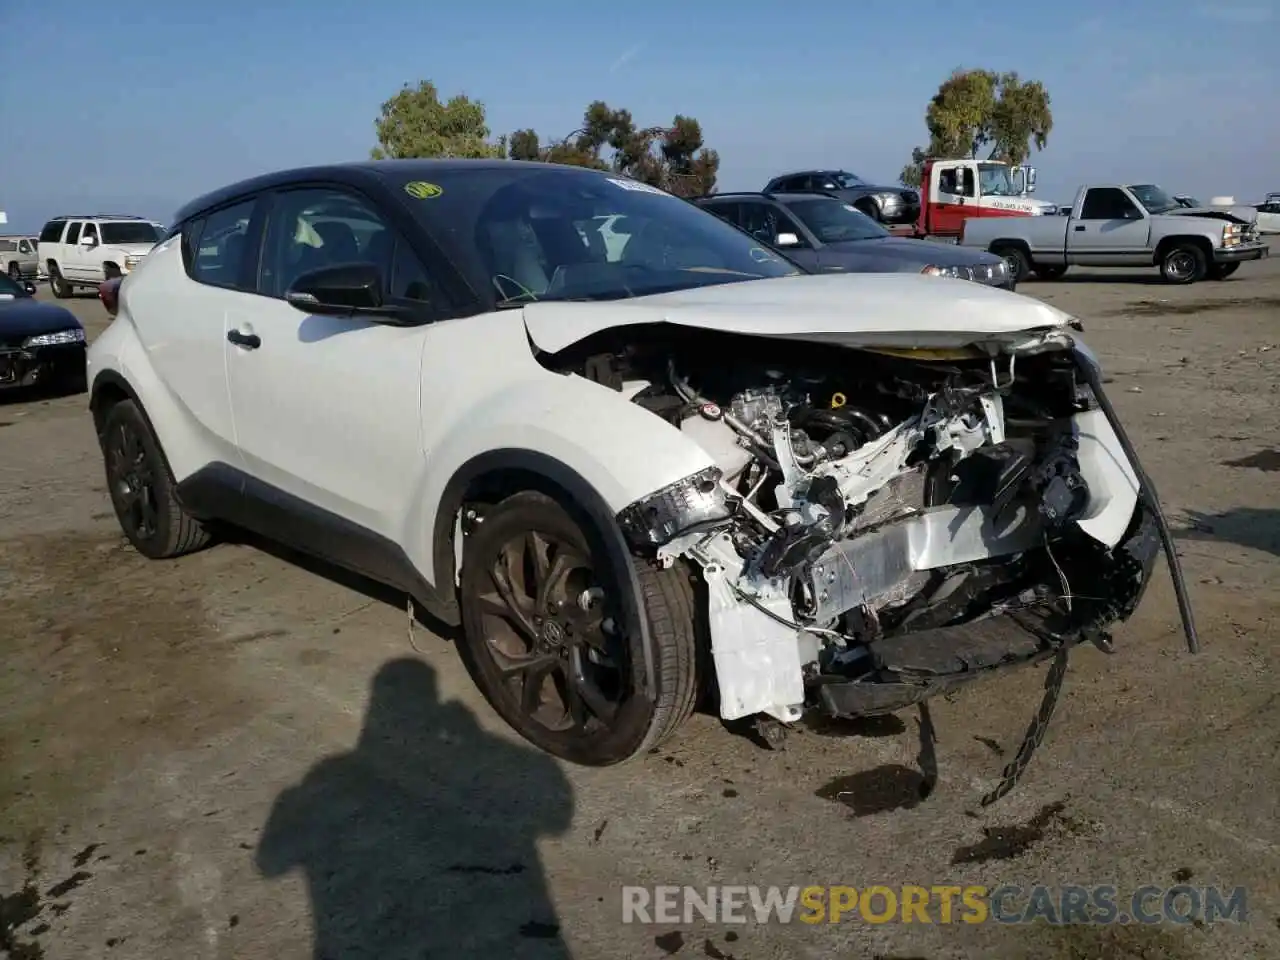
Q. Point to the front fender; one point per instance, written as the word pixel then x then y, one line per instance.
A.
pixel 614 450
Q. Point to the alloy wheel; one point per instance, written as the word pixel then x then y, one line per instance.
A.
pixel 133 482
pixel 547 632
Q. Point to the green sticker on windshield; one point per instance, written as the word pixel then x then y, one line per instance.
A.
pixel 421 190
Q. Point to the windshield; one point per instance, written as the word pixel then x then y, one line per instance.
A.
pixel 833 221
pixel 525 233
pixel 847 181
pixel 11 288
pixel 131 231
pixel 1152 198
pixel 995 180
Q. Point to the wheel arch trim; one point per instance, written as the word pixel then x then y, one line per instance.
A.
pixel 576 494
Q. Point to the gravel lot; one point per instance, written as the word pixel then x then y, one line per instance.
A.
pixel 241 755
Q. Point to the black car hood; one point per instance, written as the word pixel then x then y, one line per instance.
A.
pixel 24 317
pixel 908 250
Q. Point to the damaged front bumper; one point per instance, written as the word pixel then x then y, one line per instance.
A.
pixel 780 626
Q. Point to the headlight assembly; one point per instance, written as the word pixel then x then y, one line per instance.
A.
pixel 959 273
pixel 676 508
pixel 54 339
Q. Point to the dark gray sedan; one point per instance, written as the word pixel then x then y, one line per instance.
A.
pixel 825 235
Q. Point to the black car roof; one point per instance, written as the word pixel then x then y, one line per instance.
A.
pixel 367 172
pixel 783 198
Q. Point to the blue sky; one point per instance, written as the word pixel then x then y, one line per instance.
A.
pixel 157 103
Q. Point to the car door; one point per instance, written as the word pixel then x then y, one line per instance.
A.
pixel 69 256
pixel 90 263
pixel 28 258
pixel 765 221
pixel 952 198
pixel 327 408
pixel 1111 230
pixel 181 316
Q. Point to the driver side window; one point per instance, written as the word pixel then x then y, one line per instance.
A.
pixel 310 229
pixel 765 222
pixel 1108 203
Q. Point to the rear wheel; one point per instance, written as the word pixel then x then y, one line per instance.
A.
pixel 544 642
pixel 1220 271
pixel 142 488
pixel 1015 259
pixel 15 273
pixel 1183 264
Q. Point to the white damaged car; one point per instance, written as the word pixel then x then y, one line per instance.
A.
pixel 638 474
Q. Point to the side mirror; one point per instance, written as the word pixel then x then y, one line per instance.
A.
pixel 344 290
pixel 787 240
pixel 89 241
pixel 1031 179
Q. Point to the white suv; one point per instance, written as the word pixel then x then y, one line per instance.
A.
pixel 632 473
pixel 84 251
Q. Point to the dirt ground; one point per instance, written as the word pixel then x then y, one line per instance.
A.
pixel 239 755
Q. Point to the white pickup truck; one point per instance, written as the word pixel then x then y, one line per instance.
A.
pixel 1120 226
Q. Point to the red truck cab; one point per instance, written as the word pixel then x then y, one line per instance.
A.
pixel 952 191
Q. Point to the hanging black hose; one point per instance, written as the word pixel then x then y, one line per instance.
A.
pixel 1147 496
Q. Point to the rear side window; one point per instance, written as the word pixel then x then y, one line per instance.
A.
pixel 52 231
pixel 8 246
pixel 73 233
pixel 213 247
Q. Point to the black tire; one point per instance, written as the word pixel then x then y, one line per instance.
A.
pixel 1050 273
pixel 109 272
pixel 61 289
pixel 142 489
pixel 15 273
pixel 1183 264
pixel 1220 271
pixel 603 715
pixel 1017 259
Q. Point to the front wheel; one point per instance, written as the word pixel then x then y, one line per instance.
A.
pixel 57 283
pixel 544 637
pixel 1220 271
pixel 1184 264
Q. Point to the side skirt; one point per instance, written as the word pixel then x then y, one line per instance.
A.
pixel 221 492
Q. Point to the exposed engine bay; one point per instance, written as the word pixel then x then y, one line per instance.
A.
pixel 881 525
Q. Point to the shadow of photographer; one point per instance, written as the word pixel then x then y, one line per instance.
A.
pixel 421 841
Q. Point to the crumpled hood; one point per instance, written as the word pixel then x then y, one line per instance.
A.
pixel 900 310
pixel 25 317
pixel 1236 214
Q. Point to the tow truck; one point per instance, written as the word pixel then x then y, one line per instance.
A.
pixel 953 191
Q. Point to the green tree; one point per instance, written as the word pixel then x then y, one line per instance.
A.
pixel 672 158
pixel 976 109
pixel 414 123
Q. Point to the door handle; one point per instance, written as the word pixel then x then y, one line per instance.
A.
pixel 250 341
pixel 1080 228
